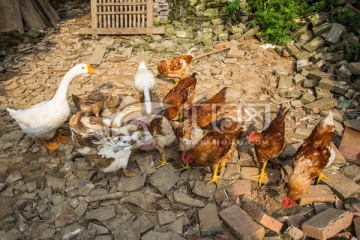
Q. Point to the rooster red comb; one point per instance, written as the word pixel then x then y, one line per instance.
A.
pixel 251 135
pixel 288 203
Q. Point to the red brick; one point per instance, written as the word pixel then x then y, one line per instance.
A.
pixel 357 226
pixel 259 215
pixel 241 224
pixel 317 193
pixel 347 147
pixel 239 187
pixel 327 223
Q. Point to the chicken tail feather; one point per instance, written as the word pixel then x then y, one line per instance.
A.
pixel 76 101
pixel 282 111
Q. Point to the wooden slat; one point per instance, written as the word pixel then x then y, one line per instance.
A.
pixel 94 17
pixel 108 9
pixel 122 31
pixel 122 4
pixel 126 17
pixel 50 12
pixel 121 17
pixel 112 9
pixel 123 13
pixel 100 9
pixel 10 17
pixel 149 14
pixel 143 18
pixel 40 11
pixel 31 16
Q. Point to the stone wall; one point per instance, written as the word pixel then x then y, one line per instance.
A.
pixel 161 11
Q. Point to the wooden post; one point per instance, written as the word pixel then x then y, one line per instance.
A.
pixel 149 13
pixel 94 17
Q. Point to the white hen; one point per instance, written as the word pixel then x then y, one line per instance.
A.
pixel 144 83
pixel 43 119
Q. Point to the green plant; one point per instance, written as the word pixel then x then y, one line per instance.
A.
pixel 353 52
pixel 275 19
pixel 232 8
pixel 346 17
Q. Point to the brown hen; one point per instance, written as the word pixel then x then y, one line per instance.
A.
pixel 203 113
pixel 270 142
pixel 175 68
pixel 180 95
pixel 311 159
pixel 215 148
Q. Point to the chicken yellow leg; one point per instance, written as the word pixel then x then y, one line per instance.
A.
pixel 163 161
pixel 321 176
pixel 50 146
pixel 139 101
pixel 222 165
pixel 177 80
pixel 62 138
pixel 262 176
pixel 181 115
pixel 128 174
pixel 215 176
pixel 185 166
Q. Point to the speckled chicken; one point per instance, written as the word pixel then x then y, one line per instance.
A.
pixel 215 148
pixel 163 135
pixel 175 68
pixel 270 142
pixel 310 160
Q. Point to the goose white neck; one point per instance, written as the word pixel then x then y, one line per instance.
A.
pixel 64 85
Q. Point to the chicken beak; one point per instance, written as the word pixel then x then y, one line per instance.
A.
pixel 90 69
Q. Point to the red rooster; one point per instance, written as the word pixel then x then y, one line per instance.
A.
pixel 270 142
pixel 311 159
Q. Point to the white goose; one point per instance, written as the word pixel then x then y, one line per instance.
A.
pixel 43 119
pixel 145 83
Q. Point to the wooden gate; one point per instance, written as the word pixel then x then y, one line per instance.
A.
pixel 122 17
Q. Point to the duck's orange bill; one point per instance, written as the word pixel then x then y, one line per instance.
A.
pixel 90 69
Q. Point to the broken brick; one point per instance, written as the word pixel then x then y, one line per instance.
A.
pixel 307 98
pixel 334 35
pixel 327 224
pixel 314 44
pixel 285 82
pixel 293 233
pixel 239 187
pixel 320 105
pixel 341 185
pixel 241 224
pixel 349 150
pixel 209 220
pixel 260 216
pixel 334 86
pixel 357 226
pixel 317 193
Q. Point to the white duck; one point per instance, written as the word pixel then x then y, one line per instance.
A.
pixel 43 119
pixel 145 83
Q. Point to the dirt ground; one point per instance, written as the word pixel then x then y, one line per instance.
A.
pixel 38 69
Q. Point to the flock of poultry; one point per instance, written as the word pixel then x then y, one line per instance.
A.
pixel 206 131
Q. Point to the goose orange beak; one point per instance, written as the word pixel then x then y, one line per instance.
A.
pixel 90 69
